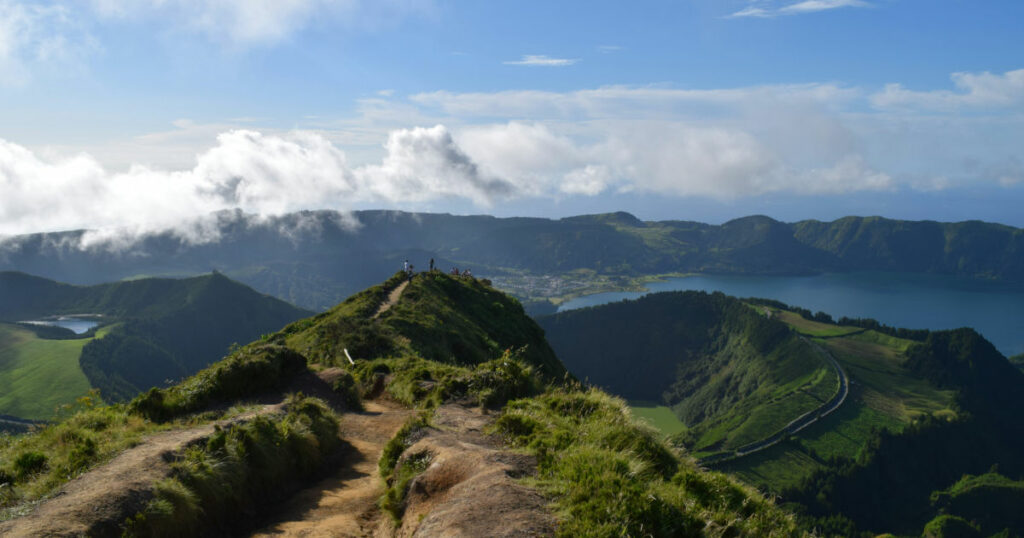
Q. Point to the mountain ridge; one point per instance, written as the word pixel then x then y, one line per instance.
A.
pixel 315 259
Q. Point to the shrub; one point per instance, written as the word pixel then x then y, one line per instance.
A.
pixel 346 387
pixel 29 463
pixel 248 371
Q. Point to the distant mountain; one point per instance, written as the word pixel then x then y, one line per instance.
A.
pixel 315 259
pixel 161 329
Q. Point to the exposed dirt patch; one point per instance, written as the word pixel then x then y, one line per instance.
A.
pixel 470 488
pixel 96 503
pixel 392 299
pixel 345 504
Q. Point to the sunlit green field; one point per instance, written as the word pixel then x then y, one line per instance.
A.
pixel 659 416
pixel 37 375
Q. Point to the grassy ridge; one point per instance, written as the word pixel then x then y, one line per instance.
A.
pixel 612 476
pixel 440 318
pixel 37 375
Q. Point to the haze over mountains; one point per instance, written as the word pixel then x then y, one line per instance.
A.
pixel 315 259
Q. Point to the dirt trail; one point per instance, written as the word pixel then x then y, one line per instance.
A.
pixel 469 488
pixel 392 299
pixel 345 504
pixel 96 502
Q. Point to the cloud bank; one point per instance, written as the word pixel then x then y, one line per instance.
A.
pixel 488 148
pixel 262 174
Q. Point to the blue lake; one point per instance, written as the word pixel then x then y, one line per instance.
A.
pixel 912 301
pixel 75 325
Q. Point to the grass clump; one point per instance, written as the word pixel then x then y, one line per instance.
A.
pixel 420 382
pixel 246 372
pixel 347 387
pixel 399 442
pixel 610 475
pixel 239 469
pixel 393 501
pixel 34 465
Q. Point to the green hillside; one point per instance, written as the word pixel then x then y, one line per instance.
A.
pixel 38 375
pixel 923 408
pixel 442 319
pixel 162 329
pixel 442 340
pixel 730 373
pixel 1018 361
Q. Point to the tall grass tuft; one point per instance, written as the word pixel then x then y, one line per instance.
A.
pixel 612 476
pixel 247 371
pixel 237 470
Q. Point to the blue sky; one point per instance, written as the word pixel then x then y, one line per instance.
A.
pixel 147 113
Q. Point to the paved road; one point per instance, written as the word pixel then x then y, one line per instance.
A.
pixel 798 424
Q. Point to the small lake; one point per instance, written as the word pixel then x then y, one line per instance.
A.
pixel 913 301
pixel 75 325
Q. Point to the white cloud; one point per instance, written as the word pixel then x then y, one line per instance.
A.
pixel 811 6
pixel 974 90
pixel 257 173
pixel 540 60
pixel 424 164
pixel 767 9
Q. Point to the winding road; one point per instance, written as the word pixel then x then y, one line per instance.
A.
pixel 799 423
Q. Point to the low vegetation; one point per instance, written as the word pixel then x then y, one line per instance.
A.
pixel 398 472
pixel 239 469
pixel 34 465
pixel 419 382
pixel 247 372
pixel 612 476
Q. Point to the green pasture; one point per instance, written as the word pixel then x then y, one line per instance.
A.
pixel 36 375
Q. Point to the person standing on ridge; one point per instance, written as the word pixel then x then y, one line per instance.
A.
pixel 431 265
pixel 405 268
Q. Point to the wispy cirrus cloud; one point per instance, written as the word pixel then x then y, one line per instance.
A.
pixel 541 60
pixel 768 9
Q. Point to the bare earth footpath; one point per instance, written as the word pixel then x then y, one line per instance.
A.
pixel 345 504
pixel 392 299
